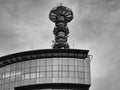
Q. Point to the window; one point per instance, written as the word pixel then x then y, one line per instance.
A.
pixel 12 67
pixel 18 77
pixel 38 75
pixel 81 75
pixel 60 67
pixel 12 73
pixel 49 68
pixel 55 61
pixel 7 80
pixel 65 74
pixel 81 62
pixel 33 69
pixel 71 68
pixel 71 74
pixel 33 75
pixel 18 65
pixel 8 68
pixel 42 74
pixel 60 61
pixel 33 63
pixel 81 69
pixel 76 74
pixel 76 68
pixel 55 74
pixel 60 74
pixel 27 70
pixel 27 64
pixel 42 62
pixel 64 61
pixel 42 68
pixel 23 64
pixel 55 68
pixel 27 76
pixel 71 61
pixel 48 74
pixel 49 62
pixel 12 78
pixel 65 68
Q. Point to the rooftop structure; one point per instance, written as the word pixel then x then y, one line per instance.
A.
pixel 61 16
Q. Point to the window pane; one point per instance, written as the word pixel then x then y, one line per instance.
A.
pixel 42 74
pixel 71 74
pixel 27 76
pixel 33 63
pixel 81 62
pixel 33 69
pixel 27 70
pixel 12 79
pixel 76 74
pixel 65 74
pixel 18 77
pixel 23 64
pixel 42 62
pixel 76 62
pixel 27 63
pixel 49 62
pixel 71 61
pixel 7 74
pixel 60 61
pixel 81 75
pixel 55 74
pixel 18 65
pixel 12 67
pixel 23 70
pixel 60 67
pixel 64 61
pixel 60 74
pixel 8 68
pixel 76 68
pixel 49 68
pixel 49 74
pixel 55 61
pixel 82 69
pixel 6 80
pixel 42 68
pixel 12 73
pixel 23 76
pixel 65 68
pixel 38 74
pixel 33 75
pixel 55 68
pixel 71 68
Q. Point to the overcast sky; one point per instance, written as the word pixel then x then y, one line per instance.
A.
pixel 24 25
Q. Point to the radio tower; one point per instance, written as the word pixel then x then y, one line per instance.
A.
pixel 61 15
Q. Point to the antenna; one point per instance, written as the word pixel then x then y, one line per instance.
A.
pixel 61 15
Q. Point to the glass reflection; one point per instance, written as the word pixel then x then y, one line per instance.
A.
pixel 44 70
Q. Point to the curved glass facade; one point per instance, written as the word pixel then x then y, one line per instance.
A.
pixel 47 70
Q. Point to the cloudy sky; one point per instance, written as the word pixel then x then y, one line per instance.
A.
pixel 24 25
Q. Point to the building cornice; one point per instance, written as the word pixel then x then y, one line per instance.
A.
pixel 43 53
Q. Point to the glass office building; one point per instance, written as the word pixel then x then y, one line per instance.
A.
pixel 48 69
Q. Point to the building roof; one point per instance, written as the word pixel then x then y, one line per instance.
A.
pixel 43 53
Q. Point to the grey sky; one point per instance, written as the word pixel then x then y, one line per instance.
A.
pixel 24 25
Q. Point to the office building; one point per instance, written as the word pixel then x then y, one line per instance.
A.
pixel 60 68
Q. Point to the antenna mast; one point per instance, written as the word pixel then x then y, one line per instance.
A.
pixel 61 15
